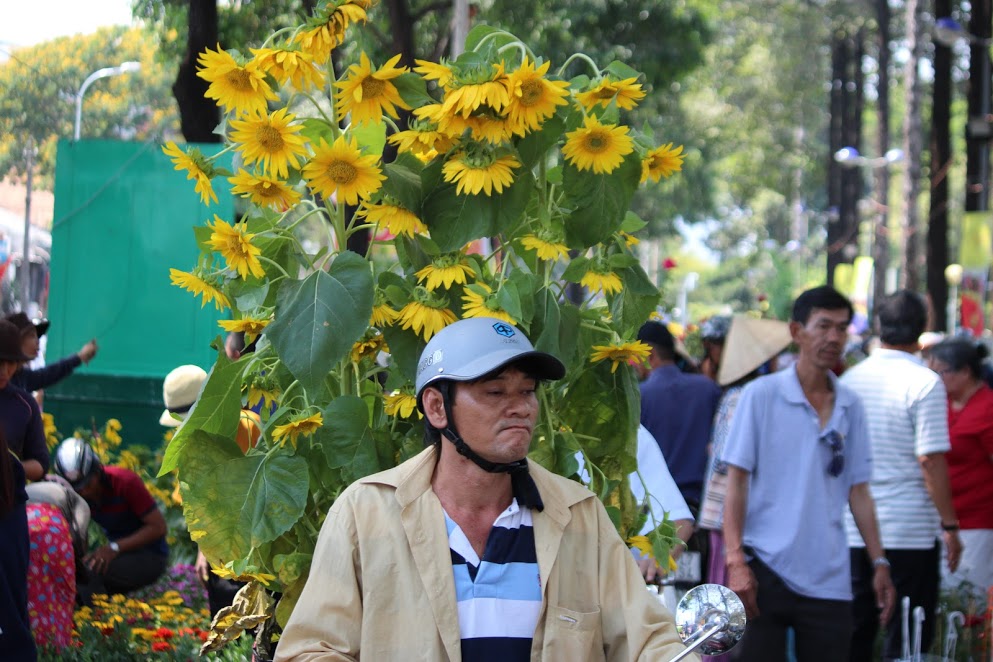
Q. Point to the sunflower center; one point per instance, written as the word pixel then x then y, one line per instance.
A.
pixel 266 190
pixel 605 92
pixel 241 80
pixel 531 92
pixel 342 172
pixel 269 138
pixel 596 141
pixel 372 88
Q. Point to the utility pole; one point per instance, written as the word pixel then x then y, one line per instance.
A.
pixel 941 160
pixel 978 128
pixel 24 271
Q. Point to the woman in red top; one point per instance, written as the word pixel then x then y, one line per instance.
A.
pixel 959 361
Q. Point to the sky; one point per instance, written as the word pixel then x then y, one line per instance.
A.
pixel 28 22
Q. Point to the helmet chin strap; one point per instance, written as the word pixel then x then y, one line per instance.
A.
pixel 524 489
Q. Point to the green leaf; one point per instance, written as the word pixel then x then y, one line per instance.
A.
pixel 621 260
pixel 455 220
pixel 576 269
pixel 315 129
pixel 216 410
pixel 413 90
pixel 599 201
pixel 480 32
pixel 403 181
pixel 632 223
pixel 405 349
pixel 631 307
pixel 248 295
pixel 621 71
pixel 509 300
pixel 320 318
pixel 202 235
pixel 371 136
pixel 534 146
pixel 348 441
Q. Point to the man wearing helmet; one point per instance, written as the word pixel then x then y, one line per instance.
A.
pixel 467 551
pixel 136 553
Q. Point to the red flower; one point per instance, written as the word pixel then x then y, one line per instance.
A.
pixel 161 646
pixel 762 297
pixel 203 635
pixel 669 263
pixel 164 633
pixel 107 631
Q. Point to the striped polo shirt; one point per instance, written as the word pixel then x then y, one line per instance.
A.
pixel 499 596
pixel 907 413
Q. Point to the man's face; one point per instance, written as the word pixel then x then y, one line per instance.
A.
pixel 29 343
pixel 90 490
pixel 821 340
pixel 496 417
pixel 7 369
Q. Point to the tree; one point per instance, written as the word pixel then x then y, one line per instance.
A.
pixel 40 85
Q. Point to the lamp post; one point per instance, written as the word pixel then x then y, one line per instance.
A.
pixel 123 68
pixel 849 157
pixel 953 276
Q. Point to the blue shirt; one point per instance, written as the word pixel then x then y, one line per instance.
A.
pixel 678 409
pixel 794 517
pixel 499 596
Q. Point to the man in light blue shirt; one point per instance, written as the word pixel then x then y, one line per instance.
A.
pixel 797 453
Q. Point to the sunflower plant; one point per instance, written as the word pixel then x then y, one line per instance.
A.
pixel 508 198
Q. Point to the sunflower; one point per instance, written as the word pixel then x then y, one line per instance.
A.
pixel 423 138
pixel 476 86
pixel 327 31
pixel 395 219
pixel 546 250
pixel 272 140
pixel 436 71
pixel 289 66
pixel 478 169
pixel 226 573
pixel 600 147
pixel 607 282
pixel 661 162
pixel 198 286
pixel 196 167
pixel 628 239
pixel 263 190
pixel 265 396
pixel 426 318
pixel 401 404
pixel 297 427
pixel 488 125
pixel 626 93
pixel 369 345
pixel 241 88
pixel 250 326
pixel 478 301
pixel 533 98
pixel 383 315
pixel 449 126
pixel 341 169
pixel 627 352
pixel 445 271
pixel 366 94
pixel 235 245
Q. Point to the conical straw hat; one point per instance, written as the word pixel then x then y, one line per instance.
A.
pixel 750 343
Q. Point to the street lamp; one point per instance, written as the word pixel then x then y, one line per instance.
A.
pixel 953 276
pixel 123 68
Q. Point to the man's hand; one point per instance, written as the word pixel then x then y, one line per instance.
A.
pixel 202 567
pixel 882 585
pixel 953 545
pixel 88 351
pixel 742 581
pixel 99 559
pixel 649 570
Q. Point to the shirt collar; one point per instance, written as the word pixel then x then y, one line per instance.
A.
pixel 793 392
pixel 896 354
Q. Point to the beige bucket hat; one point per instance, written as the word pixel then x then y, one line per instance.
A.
pixel 179 391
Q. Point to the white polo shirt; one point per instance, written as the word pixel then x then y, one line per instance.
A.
pixel 907 413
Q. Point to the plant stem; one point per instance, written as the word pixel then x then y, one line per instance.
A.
pixel 579 56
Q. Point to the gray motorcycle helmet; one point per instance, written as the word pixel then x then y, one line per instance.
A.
pixel 76 462
pixel 471 348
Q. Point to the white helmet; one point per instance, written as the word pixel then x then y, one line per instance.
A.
pixel 76 462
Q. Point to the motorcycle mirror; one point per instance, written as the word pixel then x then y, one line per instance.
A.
pixel 711 618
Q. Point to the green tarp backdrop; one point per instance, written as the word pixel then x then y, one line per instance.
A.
pixel 123 217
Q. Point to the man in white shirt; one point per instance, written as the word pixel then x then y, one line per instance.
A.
pixel 907 415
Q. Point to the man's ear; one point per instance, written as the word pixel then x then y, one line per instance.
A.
pixel 434 407
pixel 795 328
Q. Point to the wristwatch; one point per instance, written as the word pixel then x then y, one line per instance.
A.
pixel 114 547
pixel 950 527
pixel 882 561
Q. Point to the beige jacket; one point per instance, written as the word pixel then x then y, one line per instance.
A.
pixel 381 585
